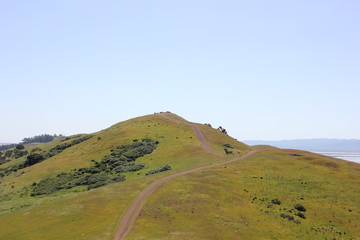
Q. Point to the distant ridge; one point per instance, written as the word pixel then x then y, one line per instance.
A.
pixel 335 145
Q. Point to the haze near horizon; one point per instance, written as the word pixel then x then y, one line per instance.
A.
pixel 262 70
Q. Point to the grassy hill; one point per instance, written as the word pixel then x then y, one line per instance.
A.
pixel 262 196
pixel 256 198
pixel 77 214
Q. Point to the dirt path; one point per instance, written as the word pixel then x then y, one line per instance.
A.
pixel 197 131
pixel 133 211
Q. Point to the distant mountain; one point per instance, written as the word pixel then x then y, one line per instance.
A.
pixel 327 145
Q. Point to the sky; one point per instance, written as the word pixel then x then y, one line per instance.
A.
pixel 261 69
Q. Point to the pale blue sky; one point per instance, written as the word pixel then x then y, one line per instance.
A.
pixel 261 69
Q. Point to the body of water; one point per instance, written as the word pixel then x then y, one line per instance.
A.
pixel 349 156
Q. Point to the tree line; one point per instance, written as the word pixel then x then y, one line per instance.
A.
pixel 43 138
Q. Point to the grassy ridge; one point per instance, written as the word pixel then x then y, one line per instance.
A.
pixel 73 214
pixel 234 201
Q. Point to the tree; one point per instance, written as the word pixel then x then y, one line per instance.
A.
pixel 44 138
pixel 20 147
pixel 33 159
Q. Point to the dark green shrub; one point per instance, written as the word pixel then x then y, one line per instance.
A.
pixel 160 169
pixel 33 159
pixel 228 145
pixel 300 214
pixel 227 151
pixel 289 217
pixel 20 147
pixel 136 167
pixel 18 154
pixel 276 201
pixel 119 178
pixel 300 207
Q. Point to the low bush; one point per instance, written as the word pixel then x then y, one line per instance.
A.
pixel 227 151
pixel 160 169
pixel 300 207
pixel 289 217
pixel 300 214
pixel 276 201
pixel 228 145
pixel 18 153
pixel 32 159
pixel 20 147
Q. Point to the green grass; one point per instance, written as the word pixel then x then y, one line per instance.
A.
pixel 225 202
pixel 75 214
pixel 233 201
pixel 87 215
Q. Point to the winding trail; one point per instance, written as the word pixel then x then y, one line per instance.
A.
pixel 133 211
pixel 197 131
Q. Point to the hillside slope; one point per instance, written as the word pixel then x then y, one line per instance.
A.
pixel 79 214
pixel 272 194
pixel 257 198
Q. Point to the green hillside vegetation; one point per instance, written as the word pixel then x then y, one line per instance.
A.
pixel 109 170
pixel 35 158
pixel 98 211
pixel 273 194
pixel 17 151
pixel 158 170
pixel 82 191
